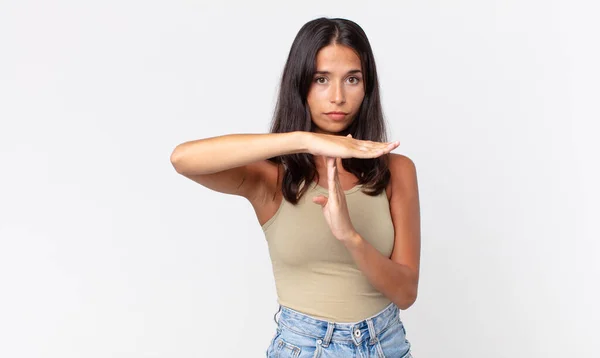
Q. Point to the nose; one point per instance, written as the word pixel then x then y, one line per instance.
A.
pixel 337 94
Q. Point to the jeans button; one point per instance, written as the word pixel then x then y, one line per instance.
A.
pixel 357 333
pixel 319 341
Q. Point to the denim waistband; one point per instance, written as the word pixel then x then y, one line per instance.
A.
pixel 310 326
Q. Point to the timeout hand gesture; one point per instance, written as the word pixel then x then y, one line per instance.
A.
pixel 334 207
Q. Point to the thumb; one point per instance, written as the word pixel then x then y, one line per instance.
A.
pixel 320 199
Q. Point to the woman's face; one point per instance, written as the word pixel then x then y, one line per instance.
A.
pixel 337 86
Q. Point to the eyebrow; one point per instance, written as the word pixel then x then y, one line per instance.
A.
pixel 327 72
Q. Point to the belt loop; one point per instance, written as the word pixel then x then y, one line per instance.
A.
pixel 372 333
pixel 278 310
pixel 329 334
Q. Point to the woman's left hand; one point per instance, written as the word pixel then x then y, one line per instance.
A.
pixel 334 207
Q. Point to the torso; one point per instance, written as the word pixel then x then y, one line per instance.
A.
pixel 267 202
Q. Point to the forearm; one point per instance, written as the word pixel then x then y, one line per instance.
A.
pixel 215 154
pixel 397 282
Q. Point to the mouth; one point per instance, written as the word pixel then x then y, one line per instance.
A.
pixel 336 116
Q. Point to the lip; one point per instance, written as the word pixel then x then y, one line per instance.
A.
pixel 336 116
pixel 336 112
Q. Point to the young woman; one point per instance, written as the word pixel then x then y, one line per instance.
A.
pixel 340 212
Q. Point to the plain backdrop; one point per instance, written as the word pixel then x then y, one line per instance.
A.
pixel 105 251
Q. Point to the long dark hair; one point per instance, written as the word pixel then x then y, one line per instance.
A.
pixel 293 114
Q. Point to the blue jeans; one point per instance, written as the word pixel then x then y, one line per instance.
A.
pixel 302 336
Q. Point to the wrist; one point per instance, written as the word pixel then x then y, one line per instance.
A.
pixel 302 140
pixel 353 241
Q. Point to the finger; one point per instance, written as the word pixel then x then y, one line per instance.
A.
pixel 337 185
pixel 331 176
pixel 384 145
pixel 392 146
pixel 372 144
pixel 385 148
pixel 370 153
pixel 369 145
pixel 321 200
pixel 370 149
pixel 330 169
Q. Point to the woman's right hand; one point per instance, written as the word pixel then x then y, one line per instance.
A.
pixel 346 147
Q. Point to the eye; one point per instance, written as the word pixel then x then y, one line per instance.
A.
pixel 319 78
pixel 355 78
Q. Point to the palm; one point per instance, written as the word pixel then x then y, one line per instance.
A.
pixel 334 207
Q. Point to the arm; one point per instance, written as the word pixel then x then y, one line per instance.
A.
pixel 216 154
pixel 396 277
pixel 236 163
pixel 396 281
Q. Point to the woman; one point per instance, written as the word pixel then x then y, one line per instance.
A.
pixel 345 248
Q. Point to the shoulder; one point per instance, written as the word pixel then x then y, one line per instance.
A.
pixel 400 162
pixel 403 173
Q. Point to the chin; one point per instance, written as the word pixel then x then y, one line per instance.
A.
pixel 331 127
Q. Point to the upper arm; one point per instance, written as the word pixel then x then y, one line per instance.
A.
pixel 250 181
pixel 405 212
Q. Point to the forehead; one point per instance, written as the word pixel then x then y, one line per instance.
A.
pixel 338 57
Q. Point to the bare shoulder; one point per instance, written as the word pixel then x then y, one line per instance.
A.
pixel 400 162
pixel 403 173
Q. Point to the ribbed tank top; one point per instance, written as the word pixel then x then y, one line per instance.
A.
pixel 314 272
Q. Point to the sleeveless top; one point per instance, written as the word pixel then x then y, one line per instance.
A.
pixel 314 272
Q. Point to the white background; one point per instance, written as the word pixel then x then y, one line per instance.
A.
pixel 105 251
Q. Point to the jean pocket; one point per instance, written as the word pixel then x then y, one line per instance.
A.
pixel 284 349
pixel 293 344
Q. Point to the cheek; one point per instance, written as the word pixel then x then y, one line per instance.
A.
pixel 359 93
pixel 357 99
pixel 317 95
pixel 315 101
